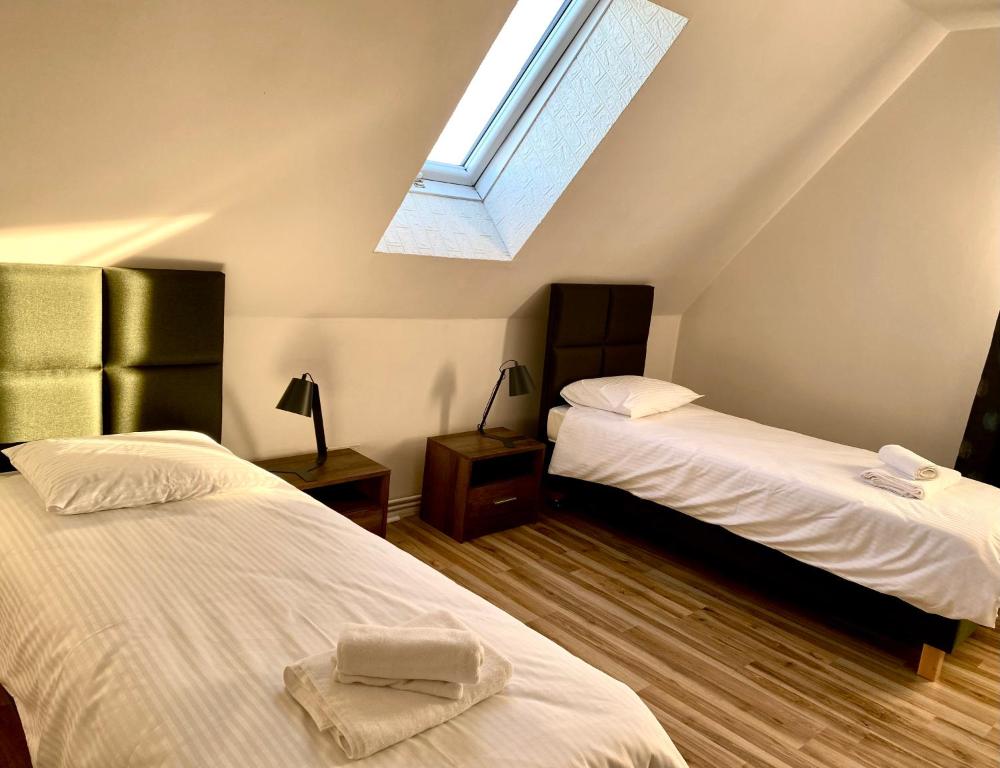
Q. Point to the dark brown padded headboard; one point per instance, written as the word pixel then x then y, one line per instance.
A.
pixel 86 351
pixel 594 330
pixel 979 453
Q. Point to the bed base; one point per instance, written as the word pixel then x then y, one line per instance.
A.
pixel 931 662
pixel 840 602
pixel 601 330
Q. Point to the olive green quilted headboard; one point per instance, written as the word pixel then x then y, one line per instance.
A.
pixel 86 351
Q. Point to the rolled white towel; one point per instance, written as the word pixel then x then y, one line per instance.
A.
pixel 410 653
pixel 364 719
pixel 907 463
pixel 438 688
pixel 889 480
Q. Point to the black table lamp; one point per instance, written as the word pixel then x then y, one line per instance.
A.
pixel 302 397
pixel 518 383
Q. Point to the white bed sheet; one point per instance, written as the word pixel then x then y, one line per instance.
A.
pixel 555 420
pixel 157 636
pixel 802 496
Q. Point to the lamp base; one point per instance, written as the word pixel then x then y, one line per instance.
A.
pixel 307 474
pixel 508 442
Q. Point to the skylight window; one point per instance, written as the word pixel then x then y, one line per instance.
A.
pixel 550 88
pixel 508 57
pixel 534 36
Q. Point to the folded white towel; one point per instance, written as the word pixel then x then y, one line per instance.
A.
pixel 364 719
pixel 889 480
pixel 431 687
pixel 907 463
pixel 410 653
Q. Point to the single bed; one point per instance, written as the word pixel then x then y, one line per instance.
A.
pixel 799 495
pixel 782 503
pixel 158 635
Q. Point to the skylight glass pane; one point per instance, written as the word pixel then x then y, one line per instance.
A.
pixel 505 61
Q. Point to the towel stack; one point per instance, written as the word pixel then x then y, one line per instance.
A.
pixel 438 661
pixel 909 475
pixel 385 684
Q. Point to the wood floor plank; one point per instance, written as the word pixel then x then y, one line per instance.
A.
pixel 738 679
pixel 525 541
pixel 635 589
pixel 579 643
pixel 496 595
pixel 697 746
pixel 945 702
pixel 736 735
pixel 833 748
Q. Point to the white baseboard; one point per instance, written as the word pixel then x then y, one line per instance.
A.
pixel 404 506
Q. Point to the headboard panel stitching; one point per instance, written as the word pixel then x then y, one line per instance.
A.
pixel 85 350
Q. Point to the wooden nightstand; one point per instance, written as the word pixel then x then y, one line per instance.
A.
pixel 349 483
pixel 474 485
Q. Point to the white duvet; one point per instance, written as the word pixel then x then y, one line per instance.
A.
pixel 157 636
pixel 802 496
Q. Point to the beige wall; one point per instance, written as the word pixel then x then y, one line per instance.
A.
pixel 275 141
pixel 386 383
pixel 862 312
pixel 277 138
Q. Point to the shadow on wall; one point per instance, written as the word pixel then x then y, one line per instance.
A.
pixel 304 346
pixel 443 392
pixel 408 451
pixel 536 306
pixel 236 421
pixel 524 341
pixel 160 262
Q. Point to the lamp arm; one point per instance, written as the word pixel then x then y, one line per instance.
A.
pixel 493 396
pixel 317 414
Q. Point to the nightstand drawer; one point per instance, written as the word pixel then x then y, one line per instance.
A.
pixel 478 483
pixel 501 505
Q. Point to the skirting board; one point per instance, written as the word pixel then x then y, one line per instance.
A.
pixel 404 506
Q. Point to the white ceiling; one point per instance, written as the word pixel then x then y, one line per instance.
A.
pixel 277 139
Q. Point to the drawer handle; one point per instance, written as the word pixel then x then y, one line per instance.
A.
pixel 505 501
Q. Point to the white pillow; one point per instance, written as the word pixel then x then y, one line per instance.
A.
pixel 78 475
pixel 632 396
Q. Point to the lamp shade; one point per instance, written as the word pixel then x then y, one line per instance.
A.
pixel 519 381
pixel 298 397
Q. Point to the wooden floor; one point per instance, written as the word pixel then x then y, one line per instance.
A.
pixel 735 678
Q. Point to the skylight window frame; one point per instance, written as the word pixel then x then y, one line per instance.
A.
pixel 537 69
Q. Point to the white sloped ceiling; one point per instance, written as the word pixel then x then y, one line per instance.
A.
pixel 278 139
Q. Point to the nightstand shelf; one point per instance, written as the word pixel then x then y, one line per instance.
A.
pixel 474 485
pixel 349 483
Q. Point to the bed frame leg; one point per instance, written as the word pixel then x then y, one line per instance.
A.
pixel 931 661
